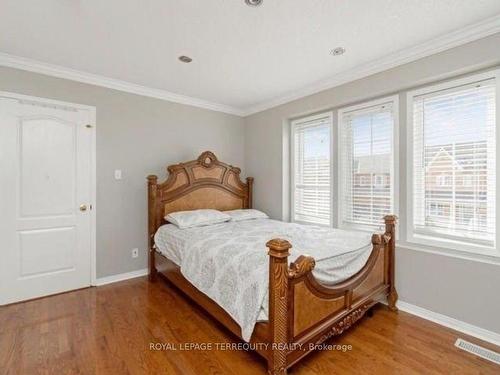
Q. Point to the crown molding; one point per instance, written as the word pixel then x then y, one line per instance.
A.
pixel 456 38
pixel 35 66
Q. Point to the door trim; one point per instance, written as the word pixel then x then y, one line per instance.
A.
pixel 93 178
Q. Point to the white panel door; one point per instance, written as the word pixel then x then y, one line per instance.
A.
pixel 46 160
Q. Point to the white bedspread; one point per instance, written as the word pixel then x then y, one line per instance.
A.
pixel 229 261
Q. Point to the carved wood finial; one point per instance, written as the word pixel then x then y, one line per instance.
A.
pixel 301 266
pixel 152 179
pixel 376 239
pixel 207 158
pixel 390 219
pixel 278 247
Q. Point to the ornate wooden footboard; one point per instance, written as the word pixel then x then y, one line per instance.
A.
pixel 303 313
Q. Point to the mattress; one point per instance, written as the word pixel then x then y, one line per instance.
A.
pixel 336 266
pixel 229 261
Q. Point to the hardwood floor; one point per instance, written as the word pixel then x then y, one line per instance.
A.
pixel 109 330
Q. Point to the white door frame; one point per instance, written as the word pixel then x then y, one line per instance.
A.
pixel 92 111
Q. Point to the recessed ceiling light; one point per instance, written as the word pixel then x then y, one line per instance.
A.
pixel 185 59
pixel 337 51
pixel 253 3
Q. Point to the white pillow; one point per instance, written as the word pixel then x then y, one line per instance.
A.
pixel 246 214
pixel 196 218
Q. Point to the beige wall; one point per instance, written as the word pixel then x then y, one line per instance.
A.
pixel 140 136
pixel 459 288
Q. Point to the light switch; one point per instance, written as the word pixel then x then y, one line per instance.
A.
pixel 118 174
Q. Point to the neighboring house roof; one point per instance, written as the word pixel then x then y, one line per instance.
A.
pixel 462 157
pixel 443 154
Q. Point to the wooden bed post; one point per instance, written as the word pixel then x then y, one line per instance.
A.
pixel 278 305
pixel 390 229
pixel 152 225
pixel 250 192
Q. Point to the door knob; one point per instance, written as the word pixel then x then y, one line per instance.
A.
pixel 83 207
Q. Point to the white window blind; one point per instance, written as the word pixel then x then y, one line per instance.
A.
pixel 366 163
pixel 454 153
pixel 312 170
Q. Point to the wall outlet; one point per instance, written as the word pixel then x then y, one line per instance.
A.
pixel 135 253
pixel 118 174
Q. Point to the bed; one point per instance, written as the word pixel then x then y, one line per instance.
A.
pixel 293 302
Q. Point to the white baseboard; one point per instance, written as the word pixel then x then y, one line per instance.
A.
pixel 121 277
pixel 457 325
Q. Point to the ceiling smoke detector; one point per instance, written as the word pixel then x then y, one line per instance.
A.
pixel 337 51
pixel 253 3
pixel 185 59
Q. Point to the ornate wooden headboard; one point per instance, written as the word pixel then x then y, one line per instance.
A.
pixel 202 183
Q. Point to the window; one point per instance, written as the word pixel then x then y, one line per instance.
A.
pixel 366 157
pixel 452 164
pixel 311 174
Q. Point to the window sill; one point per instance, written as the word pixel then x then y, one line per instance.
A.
pixel 437 241
pixel 493 258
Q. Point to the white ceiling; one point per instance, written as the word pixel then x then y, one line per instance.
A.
pixel 244 58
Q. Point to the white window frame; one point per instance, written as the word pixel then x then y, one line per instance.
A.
pixel 451 245
pixel 394 101
pixel 293 124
